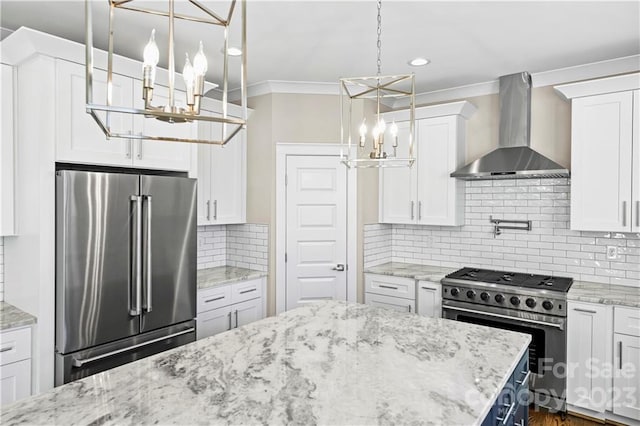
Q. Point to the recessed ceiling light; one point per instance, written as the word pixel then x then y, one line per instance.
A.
pixel 234 51
pixel 419 62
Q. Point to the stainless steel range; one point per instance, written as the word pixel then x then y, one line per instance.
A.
pixel 527 303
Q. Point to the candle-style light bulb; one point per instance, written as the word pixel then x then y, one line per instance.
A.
pixel 188 73
pixel 200 62
pixel 363 133
pixel 151 54
pixel 394 133
pixel 382 125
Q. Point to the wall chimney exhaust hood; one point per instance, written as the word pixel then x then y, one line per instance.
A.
pixel 513 159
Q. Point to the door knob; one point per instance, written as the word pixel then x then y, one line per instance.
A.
pixel 339 267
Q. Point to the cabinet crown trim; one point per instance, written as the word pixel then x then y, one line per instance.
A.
pixel 26 42
pixel 465 109
pixel 619 83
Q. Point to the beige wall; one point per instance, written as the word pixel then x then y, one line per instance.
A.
pixel 550 125
pixel 303 118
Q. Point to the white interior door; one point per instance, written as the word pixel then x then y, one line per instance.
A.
pixel 316 229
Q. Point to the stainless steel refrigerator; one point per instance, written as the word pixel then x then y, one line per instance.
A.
pixel 125 268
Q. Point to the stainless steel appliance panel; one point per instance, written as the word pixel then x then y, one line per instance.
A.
pixel 85 363
pixel 95 258
pixel 169 250
pixel 547 348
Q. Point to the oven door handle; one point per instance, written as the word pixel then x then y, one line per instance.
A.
pixel 471 311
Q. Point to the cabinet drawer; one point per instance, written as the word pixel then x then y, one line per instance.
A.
pixel 395 303
pixel 390 286
pixel 15 345
pixel 626 321
pixel 212 298
pixel 246 290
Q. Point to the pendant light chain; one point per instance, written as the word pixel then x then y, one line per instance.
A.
pixel 379 45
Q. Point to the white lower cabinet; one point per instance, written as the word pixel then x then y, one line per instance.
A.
pixel 246 312
pixel 429 299
pixel 230 306
pixel 603 356
pixel 390 292
pixel 587 332
pixel 626 380
pixel 395 303
pixel 15 364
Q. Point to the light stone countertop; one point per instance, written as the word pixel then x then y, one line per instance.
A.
pixel 12 317
pixel 411 270
pixel 606 294
pixel 213 277
pixel 329 363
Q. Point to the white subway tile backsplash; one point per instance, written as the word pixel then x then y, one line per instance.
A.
pixel 550 247
pixel 244 245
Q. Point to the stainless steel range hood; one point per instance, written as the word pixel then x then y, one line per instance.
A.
pixel 513 159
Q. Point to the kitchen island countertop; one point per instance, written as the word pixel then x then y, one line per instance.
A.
pixel 327 363
pixel 221 275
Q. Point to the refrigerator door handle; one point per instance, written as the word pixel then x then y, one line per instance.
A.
pixel 147 254
pixel 136 258
pixel 80 362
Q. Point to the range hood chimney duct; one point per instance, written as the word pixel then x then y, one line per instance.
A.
pixel 513 159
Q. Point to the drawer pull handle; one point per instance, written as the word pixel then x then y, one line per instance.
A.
pixel 7 349
pixel 248 291
pixel 525 379
pixel 390 287
pixel 620 347
pixel 214 299
pixel 588 311
pixel 428 289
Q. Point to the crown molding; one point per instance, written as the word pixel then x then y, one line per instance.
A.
pixel 600 86
pixel 24 43
pixel 287 87
pixel 464 109
pixel 546 78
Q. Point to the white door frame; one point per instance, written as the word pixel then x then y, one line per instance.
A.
pixel 282 151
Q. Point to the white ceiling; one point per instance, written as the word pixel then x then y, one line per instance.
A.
pixel 467 42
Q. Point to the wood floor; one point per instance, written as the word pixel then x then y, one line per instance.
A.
pixel 543 418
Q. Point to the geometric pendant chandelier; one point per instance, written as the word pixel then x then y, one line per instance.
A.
pixel 180 106
pixel 379 143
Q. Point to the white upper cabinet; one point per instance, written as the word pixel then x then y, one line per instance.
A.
pixel 78 137
pixel 398 185
pixel 605 154
pixel 222 183
pixel 7 149
pixel 157 154
pixel 425 194
pixel 441 151
pixel 80 140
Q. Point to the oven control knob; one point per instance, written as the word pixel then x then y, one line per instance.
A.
pixel 484 296
pixel 499 298
pixel 548 305
pixel 531 303
pixel 471 294
pixel 515 301
pixel 455 292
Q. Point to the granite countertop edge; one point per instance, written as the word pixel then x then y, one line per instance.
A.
pixel 222 275
pixel 605 294
pixel 12 317
pixel 410 270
